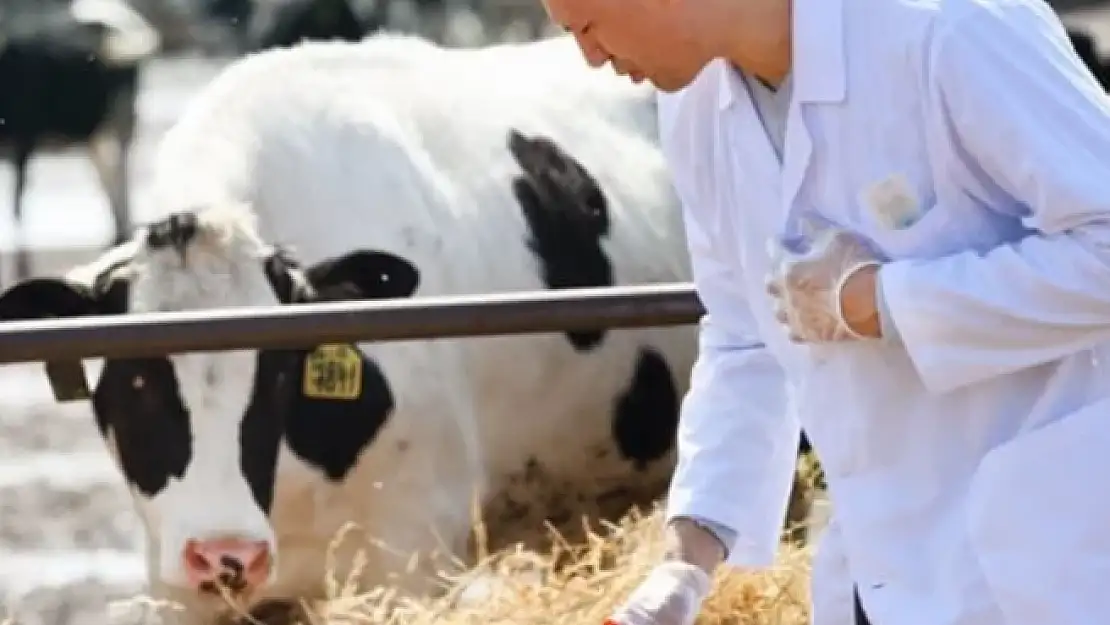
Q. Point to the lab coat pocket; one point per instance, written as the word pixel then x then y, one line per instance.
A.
pixel 903 221
pixel 1040 529
pixel 929 236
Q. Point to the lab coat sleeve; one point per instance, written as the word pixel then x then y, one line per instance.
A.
pixel 1027 121
pixel 737 442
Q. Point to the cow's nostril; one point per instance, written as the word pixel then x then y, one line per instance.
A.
pixel 233 563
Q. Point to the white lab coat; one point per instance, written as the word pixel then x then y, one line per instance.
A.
pixel 960 460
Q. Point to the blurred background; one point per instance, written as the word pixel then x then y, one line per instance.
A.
pixel 86 79
pixel 64 206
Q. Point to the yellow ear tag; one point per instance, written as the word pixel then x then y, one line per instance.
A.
pixel 333 372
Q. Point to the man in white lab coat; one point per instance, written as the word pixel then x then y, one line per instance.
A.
pixel 934 309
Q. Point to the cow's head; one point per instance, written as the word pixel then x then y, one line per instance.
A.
pixel 197 435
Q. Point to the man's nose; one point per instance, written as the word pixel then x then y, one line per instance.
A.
pixel 238 565
pixel 595 55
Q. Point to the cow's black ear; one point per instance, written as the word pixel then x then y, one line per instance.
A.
pixel 40 298
pixel 364 274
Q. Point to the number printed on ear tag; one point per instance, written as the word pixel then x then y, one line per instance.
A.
pixel 333 372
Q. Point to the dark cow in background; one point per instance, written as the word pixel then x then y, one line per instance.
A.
pixel 384 169
pixel 285 23
pixel 71 77
pixel 1084 45
pixel 234 15
pixel 262 24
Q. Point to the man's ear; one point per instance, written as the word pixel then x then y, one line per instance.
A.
pixel 40 298
pixel 364 274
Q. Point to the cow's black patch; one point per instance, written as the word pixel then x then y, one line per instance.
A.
pixel 177 231
pixel 139 404
pixel 263 422
pixel 645 422
pixel 330 433
pixel 567 217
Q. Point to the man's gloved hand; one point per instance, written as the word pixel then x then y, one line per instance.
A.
pixel 672 594
pixel 807 287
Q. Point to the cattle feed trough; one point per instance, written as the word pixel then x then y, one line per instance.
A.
pixel 302 179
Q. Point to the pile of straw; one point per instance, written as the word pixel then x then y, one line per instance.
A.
pixel 581 584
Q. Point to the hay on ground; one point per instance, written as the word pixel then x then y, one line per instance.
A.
pixel 580 585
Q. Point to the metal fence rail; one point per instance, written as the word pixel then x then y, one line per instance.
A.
pixel 275 327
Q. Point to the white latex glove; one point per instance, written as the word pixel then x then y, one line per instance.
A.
pixel 806 286
pixel 672 594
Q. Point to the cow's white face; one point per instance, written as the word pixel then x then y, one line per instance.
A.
pixel 197 435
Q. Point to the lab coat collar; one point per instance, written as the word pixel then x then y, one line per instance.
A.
pixel 818 65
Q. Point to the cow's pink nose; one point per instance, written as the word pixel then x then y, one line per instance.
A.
pixel 237 565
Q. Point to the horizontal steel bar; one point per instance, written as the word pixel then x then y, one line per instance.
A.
pixel 276 327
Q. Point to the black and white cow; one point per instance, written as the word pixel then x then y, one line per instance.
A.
pixel 71 77
pixel 393 168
